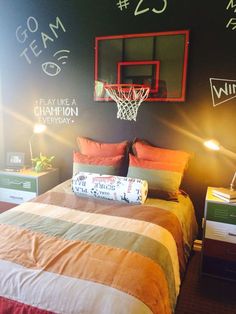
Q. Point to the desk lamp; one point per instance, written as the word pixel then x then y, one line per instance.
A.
pixel 38 128
pixel 214 145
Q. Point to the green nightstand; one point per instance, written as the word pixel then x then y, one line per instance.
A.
pixel 219 238
pixel 22 186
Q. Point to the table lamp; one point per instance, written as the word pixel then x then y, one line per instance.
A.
pixel 233 182
pixel 212 144
pixel 38 128
pixel 215 145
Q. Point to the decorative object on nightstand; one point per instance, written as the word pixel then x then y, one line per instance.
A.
pixel 19 187
pixel 219 238
pixel 42 163
pixel 227 195
pixel 15 161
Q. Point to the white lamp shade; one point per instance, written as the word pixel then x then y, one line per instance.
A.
pixel 39 128
pixel 212 144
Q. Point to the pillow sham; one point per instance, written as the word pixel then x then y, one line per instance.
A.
pixel 161 176
pixel 102 165
pixel 117 188
pixel 144 151
pixel 93 148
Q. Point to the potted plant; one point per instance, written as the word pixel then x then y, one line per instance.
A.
pixel 42 163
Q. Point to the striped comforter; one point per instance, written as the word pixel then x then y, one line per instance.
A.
pixel 65 254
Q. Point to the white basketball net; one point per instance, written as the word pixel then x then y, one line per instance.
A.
pixel 128 99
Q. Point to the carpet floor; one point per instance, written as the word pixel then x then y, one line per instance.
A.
pixel 201 294
pixel 5 206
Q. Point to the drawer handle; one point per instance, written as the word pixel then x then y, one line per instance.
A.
pixel 232 234
pixel 16 197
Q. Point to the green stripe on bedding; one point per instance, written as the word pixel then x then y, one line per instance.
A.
pixel 94 234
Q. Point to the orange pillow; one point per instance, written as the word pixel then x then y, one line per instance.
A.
pixel 97 149
pixel 160 175
pixel 152 153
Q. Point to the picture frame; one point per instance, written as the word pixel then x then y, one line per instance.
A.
pixel 15 160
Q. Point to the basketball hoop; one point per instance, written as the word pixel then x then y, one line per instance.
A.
pixel 128 98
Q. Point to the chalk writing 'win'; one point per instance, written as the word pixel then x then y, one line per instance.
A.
pixel 227 90
pixel 222 90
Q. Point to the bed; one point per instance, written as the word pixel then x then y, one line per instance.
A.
pixel 61 253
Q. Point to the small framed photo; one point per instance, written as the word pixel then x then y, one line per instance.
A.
pixel 15 159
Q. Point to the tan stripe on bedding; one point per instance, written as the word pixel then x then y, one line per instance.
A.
pixel 114 267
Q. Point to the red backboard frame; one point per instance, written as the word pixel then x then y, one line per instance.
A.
pixel 140 63
pixel 167 35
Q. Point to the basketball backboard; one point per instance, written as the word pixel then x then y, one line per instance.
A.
pixel 157 60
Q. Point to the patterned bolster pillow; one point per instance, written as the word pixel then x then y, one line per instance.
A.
pixel 129 190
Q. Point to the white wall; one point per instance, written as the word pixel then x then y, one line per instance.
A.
pixel 2 153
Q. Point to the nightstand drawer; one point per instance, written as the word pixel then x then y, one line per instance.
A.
pixel 223 250
pixel 225 213
pixel 219 241
pixel 220 231
pixel 22 186
pixel 219 268
pixel 15 196
pixel 20 183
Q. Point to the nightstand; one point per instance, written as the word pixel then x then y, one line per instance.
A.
pixel 219 238
pixel 22 186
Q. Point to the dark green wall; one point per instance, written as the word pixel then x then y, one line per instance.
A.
pixel 171 125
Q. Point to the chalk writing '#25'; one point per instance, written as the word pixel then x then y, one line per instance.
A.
pixel 141 7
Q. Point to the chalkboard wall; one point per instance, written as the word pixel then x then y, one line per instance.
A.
pixel 35 34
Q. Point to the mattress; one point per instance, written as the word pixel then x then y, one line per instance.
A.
pixel 61 253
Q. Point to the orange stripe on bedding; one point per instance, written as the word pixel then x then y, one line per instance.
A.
pixel 155 215
pixel 119 268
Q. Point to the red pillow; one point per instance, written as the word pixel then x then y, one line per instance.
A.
pixel 152 153
pixel 152 164
pixel 92 148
